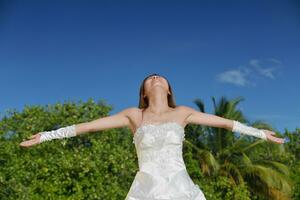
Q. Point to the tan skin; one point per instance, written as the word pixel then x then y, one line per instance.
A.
pixel 158 111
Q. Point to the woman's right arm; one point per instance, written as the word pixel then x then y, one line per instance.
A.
pixel 117 120
pixel 120 119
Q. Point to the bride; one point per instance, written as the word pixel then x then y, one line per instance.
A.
pixel 156 125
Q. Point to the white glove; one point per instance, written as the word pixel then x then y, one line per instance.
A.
pixel 248 130
pixel 68 131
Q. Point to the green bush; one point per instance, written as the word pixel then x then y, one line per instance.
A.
pixel 98 165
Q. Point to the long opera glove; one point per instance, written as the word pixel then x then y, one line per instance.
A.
pixel 64 132
pixel 248 130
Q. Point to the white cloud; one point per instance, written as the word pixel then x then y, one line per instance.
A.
pixel 233 76
pixel 268 72
pixel 241 76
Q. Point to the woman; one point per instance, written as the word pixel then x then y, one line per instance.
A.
pixel 158 132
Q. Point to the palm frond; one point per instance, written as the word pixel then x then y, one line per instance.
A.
pixel 200 105
pixel 262 179
pixel 246 159
pixel 279 167
pixel 207 160
pixel 252 145
pixel 230 170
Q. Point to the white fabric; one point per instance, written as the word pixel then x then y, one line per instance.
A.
pixel 68 131
pixel 248 130
pixel 162 173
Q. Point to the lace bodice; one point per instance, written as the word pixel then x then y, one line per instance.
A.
pixel 166 126
pixel 160 144
pixel 162 173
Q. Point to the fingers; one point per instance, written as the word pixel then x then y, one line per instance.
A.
pixel 32 140
pixel 272 138
pixel 278 140
pixel 24 144
pixel 28 143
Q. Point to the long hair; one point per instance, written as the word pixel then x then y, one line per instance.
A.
pixel 144 102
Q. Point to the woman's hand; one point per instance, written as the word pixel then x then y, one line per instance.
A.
pixel 34 139
pixel 272 138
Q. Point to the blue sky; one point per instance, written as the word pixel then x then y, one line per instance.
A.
pixel 54 51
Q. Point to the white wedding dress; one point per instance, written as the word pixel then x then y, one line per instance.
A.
pixel 162 173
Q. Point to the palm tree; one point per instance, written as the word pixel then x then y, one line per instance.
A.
pixel 243 159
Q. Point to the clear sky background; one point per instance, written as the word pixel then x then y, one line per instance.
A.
pixel 55 51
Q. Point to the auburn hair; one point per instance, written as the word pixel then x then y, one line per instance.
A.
pixel 144 102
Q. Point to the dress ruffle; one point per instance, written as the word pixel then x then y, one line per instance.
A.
pixel 176 187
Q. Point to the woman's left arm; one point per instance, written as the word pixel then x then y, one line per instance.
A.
pixel 197 117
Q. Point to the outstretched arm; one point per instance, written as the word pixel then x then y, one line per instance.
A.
pixel 117 120
pixel 114 121
pixel 197 117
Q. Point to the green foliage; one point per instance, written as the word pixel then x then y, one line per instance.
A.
pixel 246 161
pixel 98 165
pixel 293 159
pixel 296 178
pixel 214 187
pixel 102 165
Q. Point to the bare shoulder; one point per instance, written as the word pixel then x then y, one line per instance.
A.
pixel 185 112
pixel 134 115
pixel 131 111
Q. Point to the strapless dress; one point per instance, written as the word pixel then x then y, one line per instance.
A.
pixel 162 174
